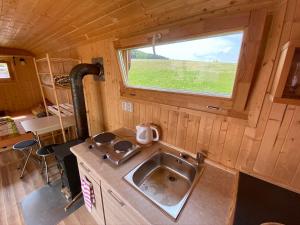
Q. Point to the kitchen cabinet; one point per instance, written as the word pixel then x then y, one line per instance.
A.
pixel 97 209
pixel 117 212
pixel 109 208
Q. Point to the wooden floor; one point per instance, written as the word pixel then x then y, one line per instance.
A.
pixel 79 217
pixel 13 190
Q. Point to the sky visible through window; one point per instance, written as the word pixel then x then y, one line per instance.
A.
pixel 4 72
pixel 205 66
pixel 224 48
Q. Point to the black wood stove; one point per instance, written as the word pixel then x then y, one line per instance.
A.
pixel 66 159
pixel 68 168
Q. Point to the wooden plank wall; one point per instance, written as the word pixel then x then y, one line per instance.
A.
pixel 63 94
pixel 265 146
pixel 23 92
pixel 95 92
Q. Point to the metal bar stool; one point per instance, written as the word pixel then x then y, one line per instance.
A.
pixel 26 147
pixel 45 152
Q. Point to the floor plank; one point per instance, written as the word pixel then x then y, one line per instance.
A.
pixel 13 189
pixel 79 217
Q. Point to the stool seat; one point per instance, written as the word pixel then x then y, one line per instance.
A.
pixel 26 147
pixel 46 150
pixel 25 144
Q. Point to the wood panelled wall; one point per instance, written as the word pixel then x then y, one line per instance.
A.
pixel 63 94
pixel 266 145
pixel 23 92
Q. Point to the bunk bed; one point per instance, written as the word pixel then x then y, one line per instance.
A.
pixel 54 81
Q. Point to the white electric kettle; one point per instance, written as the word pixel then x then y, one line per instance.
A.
pixel 144 134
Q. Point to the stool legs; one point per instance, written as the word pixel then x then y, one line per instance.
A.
pixel 47 175
pixel 45 166
pixel 26 161
pixel 42 165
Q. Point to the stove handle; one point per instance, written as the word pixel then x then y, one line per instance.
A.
pixel 84 167
pixel 116 198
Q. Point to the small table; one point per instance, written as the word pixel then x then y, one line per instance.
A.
pixel 45 125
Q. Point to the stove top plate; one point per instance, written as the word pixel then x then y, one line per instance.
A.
pixel 123 146
pixel 104 138
pixel 114 148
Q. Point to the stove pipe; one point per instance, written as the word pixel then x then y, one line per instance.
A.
pixel 76 76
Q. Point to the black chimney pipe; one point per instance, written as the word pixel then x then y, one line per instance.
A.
pixel 76 76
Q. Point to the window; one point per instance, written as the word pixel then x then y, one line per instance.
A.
pixel 205 66
pixel 4 71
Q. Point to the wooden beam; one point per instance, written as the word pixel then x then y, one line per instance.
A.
pixel 14 52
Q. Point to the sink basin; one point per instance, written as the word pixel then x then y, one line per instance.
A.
pixel 166 179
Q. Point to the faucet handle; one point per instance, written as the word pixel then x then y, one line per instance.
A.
pixel 200 156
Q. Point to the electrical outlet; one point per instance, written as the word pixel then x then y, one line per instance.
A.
pixel 127 106
pixel 123 106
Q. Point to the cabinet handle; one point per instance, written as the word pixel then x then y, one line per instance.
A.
pixel 116 198
pixel 84 167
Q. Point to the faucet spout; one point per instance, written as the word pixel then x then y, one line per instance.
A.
pixel 199 159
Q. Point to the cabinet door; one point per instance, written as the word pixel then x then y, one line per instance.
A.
pixel 116 211
pixel 97 209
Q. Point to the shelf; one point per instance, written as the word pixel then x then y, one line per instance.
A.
pixel 41 60
pixel 58 60
pixel 62 87
pixel 56 86
pixel 286 85
pixel 288 101
pixel 47 85
pixel 65 109
pixel 55 74
pixel 60 74
pixel 64 59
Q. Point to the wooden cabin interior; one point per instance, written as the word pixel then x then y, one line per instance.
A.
pixel 156 112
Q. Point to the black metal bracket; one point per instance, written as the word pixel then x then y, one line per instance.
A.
pixel 99 62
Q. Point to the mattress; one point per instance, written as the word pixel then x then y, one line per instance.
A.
pixel 8 126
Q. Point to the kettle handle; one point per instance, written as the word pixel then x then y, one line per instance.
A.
pixel 156 133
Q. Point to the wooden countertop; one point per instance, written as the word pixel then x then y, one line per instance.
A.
pixel 210 203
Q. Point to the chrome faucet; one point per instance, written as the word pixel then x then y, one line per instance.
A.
pixel 200 156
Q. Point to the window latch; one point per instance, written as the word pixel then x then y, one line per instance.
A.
pixel 212 107
pixel 154 39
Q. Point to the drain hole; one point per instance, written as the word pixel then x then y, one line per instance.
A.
pixel 172 179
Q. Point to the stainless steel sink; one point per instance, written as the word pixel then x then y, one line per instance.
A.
pixel 167 180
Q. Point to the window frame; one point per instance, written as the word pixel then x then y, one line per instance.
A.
pixel 10 71
pixel 123 54
pixel 250 23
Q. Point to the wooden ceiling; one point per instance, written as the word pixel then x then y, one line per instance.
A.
pixel 46 25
